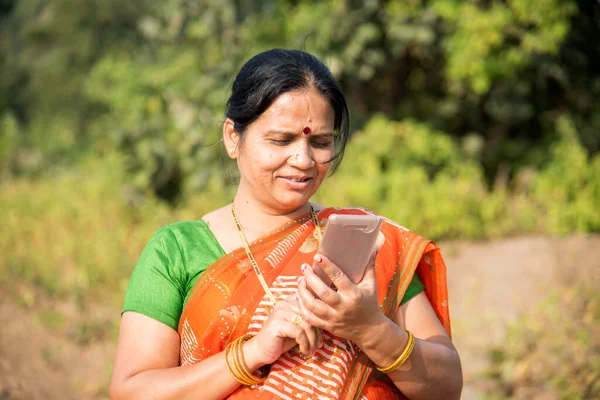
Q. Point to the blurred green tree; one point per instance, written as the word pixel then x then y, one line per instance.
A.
pixel 151 78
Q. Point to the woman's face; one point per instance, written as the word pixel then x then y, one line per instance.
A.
pixel 283 155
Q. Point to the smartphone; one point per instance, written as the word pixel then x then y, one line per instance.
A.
pixel 348 242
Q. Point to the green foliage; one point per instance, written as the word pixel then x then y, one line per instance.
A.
pixel 150 79
pixel 471 119
pixel 423 178
pixel 553 348
pixel 410 173
pixel 569 187
pixel 497 42
pixel 73 232
pixel 434 184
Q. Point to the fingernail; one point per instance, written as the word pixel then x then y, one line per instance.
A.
pixel 318 258
pixel 297 298
pixel 300 280
pixel 303 267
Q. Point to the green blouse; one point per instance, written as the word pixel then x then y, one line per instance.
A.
pixel 170 265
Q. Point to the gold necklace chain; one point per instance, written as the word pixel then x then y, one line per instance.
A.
pixel 257 270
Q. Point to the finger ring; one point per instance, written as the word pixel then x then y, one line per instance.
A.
pixel 297 319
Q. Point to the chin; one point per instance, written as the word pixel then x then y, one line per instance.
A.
pixel 291 203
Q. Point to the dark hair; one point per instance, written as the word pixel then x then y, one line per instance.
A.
pixel 269 74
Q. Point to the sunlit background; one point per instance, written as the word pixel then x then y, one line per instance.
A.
pixel 474 123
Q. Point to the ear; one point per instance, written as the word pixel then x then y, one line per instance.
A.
pixel 230 138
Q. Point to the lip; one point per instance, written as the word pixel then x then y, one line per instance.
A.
pixel 297 182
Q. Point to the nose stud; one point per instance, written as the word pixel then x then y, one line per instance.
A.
pixel 306 130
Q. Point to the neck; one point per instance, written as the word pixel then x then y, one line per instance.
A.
pixel 256 219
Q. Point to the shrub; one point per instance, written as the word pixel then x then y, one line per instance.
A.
pixel 427 181
pixel 554 347
pixel 74 233
pixel 420 178
pixel 568 188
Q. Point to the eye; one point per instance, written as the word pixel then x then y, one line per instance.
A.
pixel 280 142
pixel 321 144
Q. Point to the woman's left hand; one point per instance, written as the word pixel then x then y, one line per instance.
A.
pixel 351 312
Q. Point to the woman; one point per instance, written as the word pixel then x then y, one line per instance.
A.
pixel 231 306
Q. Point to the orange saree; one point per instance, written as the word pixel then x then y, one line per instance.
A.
pixel 228 301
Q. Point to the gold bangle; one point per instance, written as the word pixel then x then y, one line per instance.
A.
pixel 238 352
pixel 255 379
pixel 244 367
pixel 242 373
pixel 410 345
pixel 227 350
pixel 233 353
pixel 235 374
pixel 238 355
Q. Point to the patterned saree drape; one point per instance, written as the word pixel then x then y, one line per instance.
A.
pixel 228 301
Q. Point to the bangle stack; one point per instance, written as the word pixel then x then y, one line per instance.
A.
pixel 410 345
pixel 240 371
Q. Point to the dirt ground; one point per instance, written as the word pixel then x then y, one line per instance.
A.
pixel 490 283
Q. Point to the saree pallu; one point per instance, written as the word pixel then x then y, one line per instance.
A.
pixel 228 302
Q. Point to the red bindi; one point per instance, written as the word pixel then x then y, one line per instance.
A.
pixel 306 130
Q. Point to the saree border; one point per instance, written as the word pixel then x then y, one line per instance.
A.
pixel 362 366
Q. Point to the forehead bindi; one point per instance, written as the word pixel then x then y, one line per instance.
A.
pixel 307 128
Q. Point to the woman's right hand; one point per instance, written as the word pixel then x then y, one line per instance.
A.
pixel 279 334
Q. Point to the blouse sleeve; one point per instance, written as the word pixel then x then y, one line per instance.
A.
pixel 156 286
pixel 414 288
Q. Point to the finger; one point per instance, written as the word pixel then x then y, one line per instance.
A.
pixel 312 333
pixel 337 276
pixel 313 339
pixel 319 288
pixel 283 304
pixel 319 272
pixel 370 271
pixel 308 302
pixel 303 341
pixel 319 332
pixel 299 336
pixel 310 317
pixel 289 303
pixel 287 327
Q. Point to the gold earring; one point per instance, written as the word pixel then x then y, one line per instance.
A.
pixel 231 152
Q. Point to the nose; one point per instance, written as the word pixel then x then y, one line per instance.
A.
pixel 302 157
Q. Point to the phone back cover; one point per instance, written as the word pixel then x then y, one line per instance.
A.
pixel 348 242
